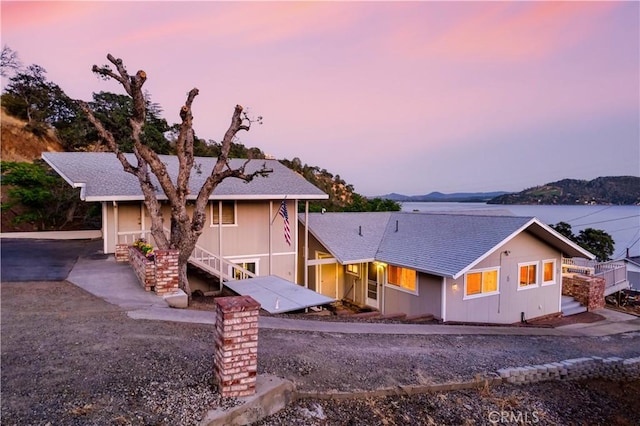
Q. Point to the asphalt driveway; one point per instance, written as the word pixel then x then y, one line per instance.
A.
pixel 42 260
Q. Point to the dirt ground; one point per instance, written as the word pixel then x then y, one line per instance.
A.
pixel 71 358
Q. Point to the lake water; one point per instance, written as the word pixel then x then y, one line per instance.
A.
pixel 621 222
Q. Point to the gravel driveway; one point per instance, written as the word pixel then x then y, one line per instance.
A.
pixel 71 358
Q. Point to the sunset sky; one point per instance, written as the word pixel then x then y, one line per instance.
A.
pixel 408 97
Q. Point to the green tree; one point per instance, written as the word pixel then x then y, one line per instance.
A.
pixel 31 97
pixel 44 199
pixel 114 111
pixel 565 229
pixel 596 241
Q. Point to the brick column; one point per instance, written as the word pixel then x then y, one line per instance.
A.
pixel 236 339
pixel 166 271
pixel 588 290
pixel 122 253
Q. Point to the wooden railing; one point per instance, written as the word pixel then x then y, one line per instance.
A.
pixel 200 257
pixel 614 273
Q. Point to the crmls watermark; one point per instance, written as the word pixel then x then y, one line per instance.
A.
pixel 507 417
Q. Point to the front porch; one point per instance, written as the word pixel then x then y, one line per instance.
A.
pixel 586 283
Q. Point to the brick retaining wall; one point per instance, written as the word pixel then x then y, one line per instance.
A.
pixel 236 341
pixel 160 276
pixel 587 290
pixel 144 268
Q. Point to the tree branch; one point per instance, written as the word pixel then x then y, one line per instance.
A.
pixel 106 136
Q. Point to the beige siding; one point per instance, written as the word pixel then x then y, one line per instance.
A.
pixel 506 307
pixel 248 238
pixel 427 301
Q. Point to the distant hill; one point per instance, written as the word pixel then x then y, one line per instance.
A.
pixel 440 197
pixel 618 190
pixel 19 144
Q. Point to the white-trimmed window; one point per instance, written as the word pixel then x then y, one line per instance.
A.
pixel 228 213
pixel 548 272
pixel 481 282
pixel 527 275
pixel 402 278
pixel 353 269
pixel 250 265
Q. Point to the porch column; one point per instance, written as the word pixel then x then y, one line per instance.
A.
pixel 306 244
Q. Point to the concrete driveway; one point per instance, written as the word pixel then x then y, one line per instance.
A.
pixel 43 260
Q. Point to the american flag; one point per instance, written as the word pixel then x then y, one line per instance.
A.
pixel 285 215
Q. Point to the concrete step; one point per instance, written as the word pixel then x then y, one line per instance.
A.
pixel 574 310
pixel 571 306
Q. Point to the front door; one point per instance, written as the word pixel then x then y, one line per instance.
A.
pixel 374 280
pixel 327 280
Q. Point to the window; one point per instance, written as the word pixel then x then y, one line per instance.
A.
pixel 238 274
pixel 527 275
pixel 548 272
pixel 228 213
pixel 481 283
pixel 353 269
pixel 402 277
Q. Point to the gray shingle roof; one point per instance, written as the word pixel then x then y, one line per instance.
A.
pixel 350 237
pixel 102 178
pixel 439 244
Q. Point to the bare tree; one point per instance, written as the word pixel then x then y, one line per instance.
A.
pixel 185 229
pixel 9 61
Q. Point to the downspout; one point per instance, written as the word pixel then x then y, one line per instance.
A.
pixel 297 244
pixel 443 301
pixel 306 244
pixel 270 235
pixel 220 243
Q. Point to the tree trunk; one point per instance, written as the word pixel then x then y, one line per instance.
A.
pixel 182 277
pixel 185 230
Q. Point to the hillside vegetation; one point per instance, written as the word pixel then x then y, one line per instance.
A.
pixel 38 199
pixel 19 144
pixel 619 190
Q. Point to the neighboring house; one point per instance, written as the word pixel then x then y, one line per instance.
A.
pixel 457 267
pixel 242 224
pixel 633 271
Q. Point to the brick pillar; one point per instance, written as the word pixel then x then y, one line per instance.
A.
pixel 588 290
pixel 122 253
pixel 166 279
pixel 236 339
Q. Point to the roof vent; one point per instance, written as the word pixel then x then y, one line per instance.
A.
pixel 360 230
pixel 396 226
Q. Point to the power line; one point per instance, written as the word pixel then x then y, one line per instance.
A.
pixel 609 220
pixel 589 214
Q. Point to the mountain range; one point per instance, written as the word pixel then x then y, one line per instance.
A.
pixel 618 190
pixel 441 197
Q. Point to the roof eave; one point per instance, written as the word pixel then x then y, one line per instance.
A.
pixel 561 242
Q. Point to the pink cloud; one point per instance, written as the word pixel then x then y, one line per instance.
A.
pixel 501 31
pixel 17 15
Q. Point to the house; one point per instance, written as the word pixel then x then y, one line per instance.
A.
pixel 244 234
pixel 457 267
pixel 633 271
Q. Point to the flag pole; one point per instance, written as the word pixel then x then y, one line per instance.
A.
pixel 278 211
